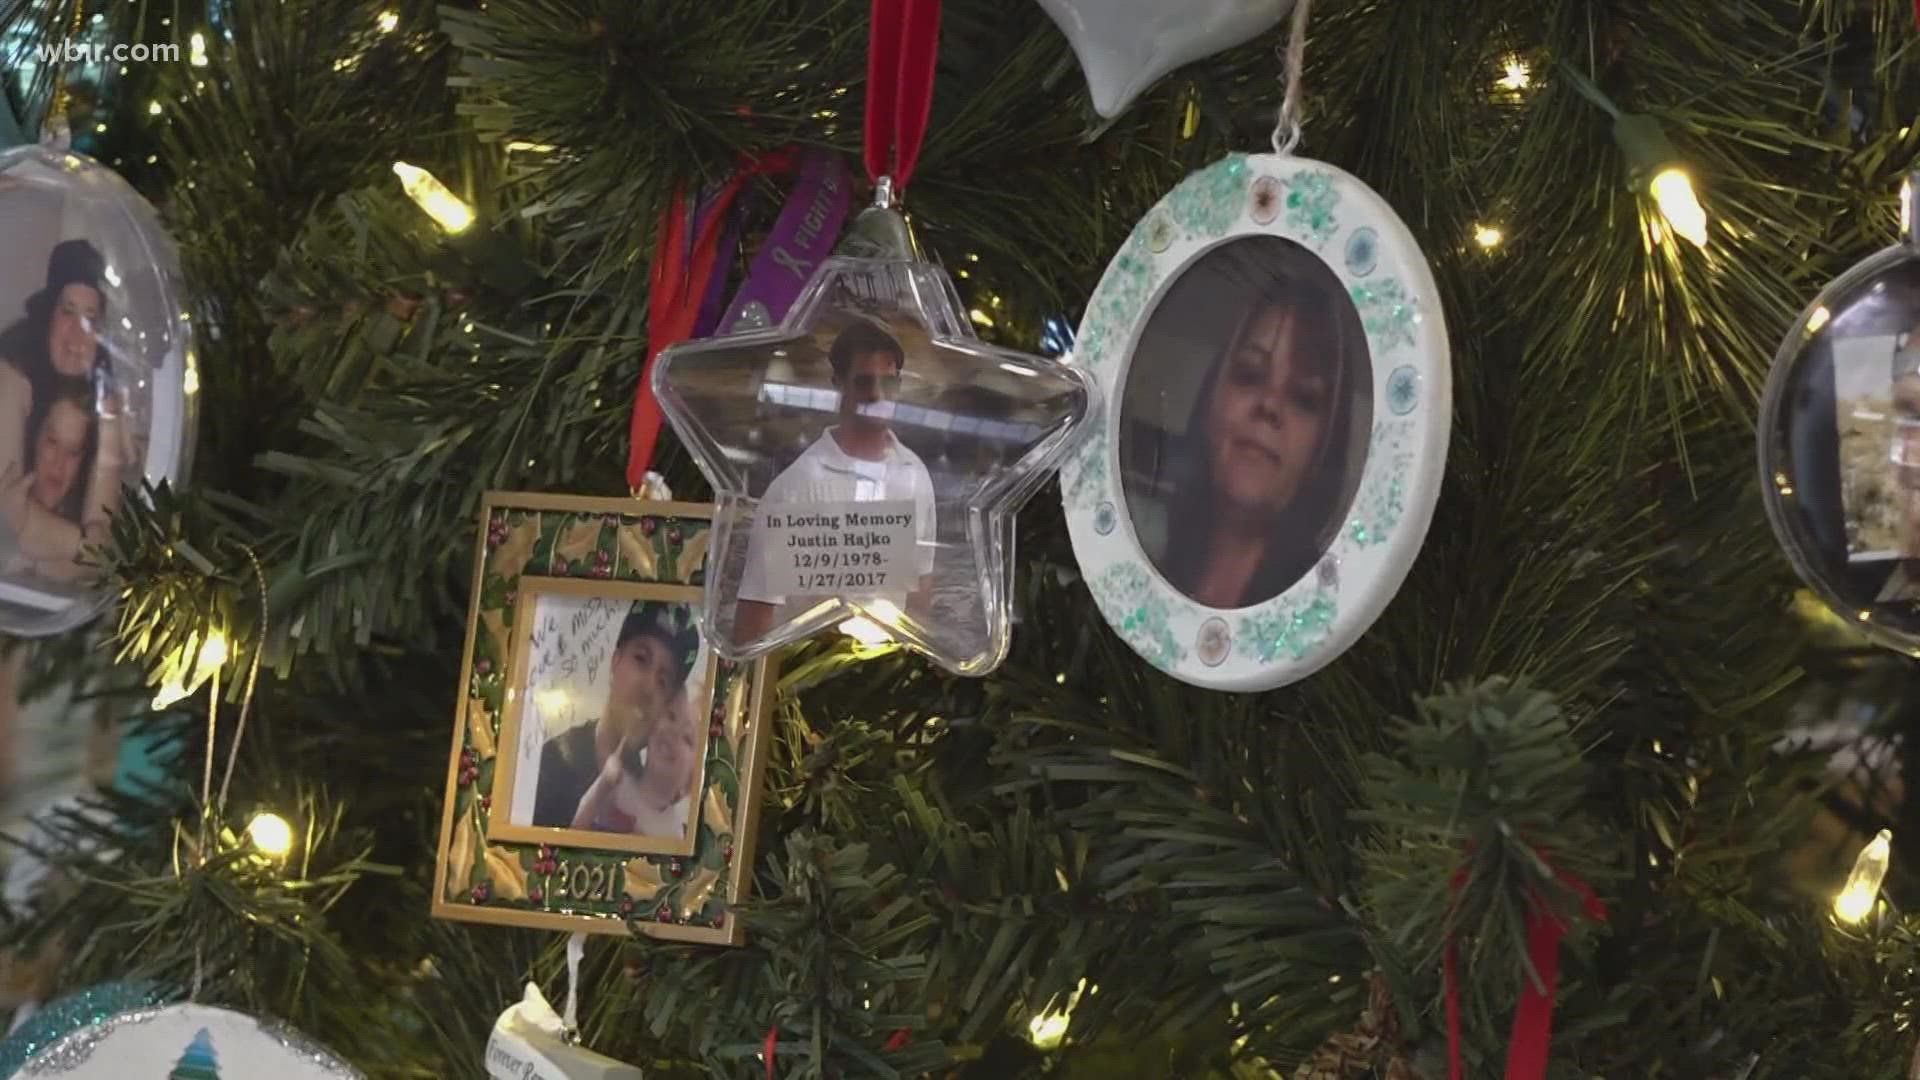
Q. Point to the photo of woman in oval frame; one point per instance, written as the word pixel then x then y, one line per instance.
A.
pixel 1276 401
pixel 1244 422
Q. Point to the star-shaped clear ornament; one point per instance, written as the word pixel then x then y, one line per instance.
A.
pixel 868 456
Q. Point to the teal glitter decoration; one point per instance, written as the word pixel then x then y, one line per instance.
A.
pixel 1140 612
pixel 1084 481
pixel 1116 303
pixel 1311 200
pixel 1207 203
pixel 1285 628
pixel 1382 497
pixel 1121 297
pixel 72 1013
pixel 1386 311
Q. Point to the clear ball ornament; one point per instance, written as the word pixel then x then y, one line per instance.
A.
pixel 96 380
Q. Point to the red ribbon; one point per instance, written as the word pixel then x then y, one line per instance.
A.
pixel 898 1040
pixel 899 97
pixel 900 52
pixel 1533 1019
pixel 900 59
pixel 676 289
pixel 1449 979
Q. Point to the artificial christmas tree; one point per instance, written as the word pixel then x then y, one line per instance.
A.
pixel 198 1061
pixel 1594 679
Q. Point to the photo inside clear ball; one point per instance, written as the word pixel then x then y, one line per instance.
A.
pixel 1840 447
pixel 94 392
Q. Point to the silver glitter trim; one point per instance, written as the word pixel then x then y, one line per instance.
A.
pixel 297 1043
pixel 73 1051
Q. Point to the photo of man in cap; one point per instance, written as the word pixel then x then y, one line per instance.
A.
pixel 633 769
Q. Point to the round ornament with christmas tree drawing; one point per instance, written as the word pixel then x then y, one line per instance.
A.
pixel 193 1042
pixel 1273 424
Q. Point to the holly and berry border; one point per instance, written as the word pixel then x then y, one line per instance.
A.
pixel 485 878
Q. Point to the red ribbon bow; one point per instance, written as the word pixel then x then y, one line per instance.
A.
pixel 1533 1019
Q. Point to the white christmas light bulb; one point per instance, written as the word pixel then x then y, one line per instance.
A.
pixel 866 631
pixel 1049 1029
pixel 1516 76
pixel 213 653
pixel 171 692
pixel 271 835
pixel 1862 890
pixel 432 196
pixel 183 680
pixel 1673 190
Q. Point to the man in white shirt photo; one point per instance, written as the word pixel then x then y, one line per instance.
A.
pixel 859 459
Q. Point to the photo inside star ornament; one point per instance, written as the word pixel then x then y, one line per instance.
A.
pixel 867 456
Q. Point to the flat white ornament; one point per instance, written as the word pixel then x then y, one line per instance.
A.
pixel 1124 46
pixel 195 1042
pixel 529 1042
pixel 1272 425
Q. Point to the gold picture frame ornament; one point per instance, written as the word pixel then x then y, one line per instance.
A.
pixel 534 548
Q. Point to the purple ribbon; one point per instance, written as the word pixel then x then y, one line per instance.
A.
pixel 716 294
pixel 803 236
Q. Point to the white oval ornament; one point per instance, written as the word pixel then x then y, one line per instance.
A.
pixel 1336 469
pixel 96 391
pixel 194 1041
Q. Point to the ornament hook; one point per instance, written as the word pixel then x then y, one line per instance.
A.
pixel 882 230
pixel 576 950
pixel 1289 125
